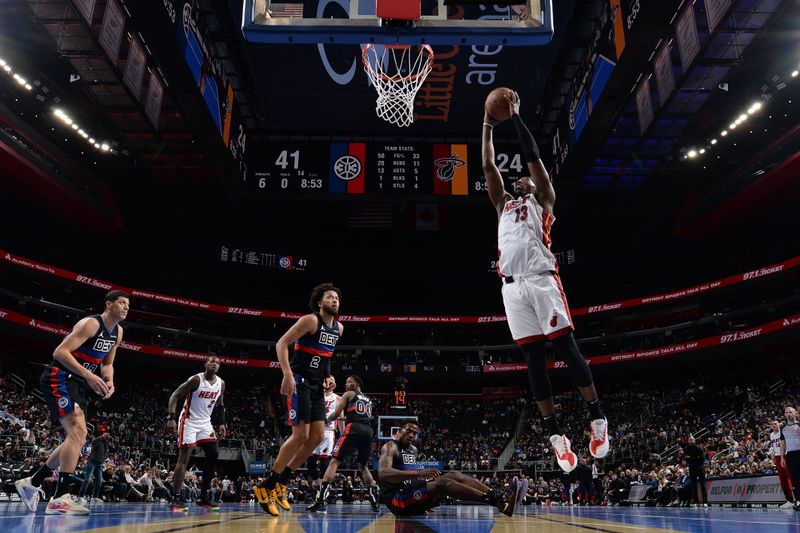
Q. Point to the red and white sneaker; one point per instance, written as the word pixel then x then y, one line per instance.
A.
pixel 567 460
pixel 598 445
pixel 28 493
pixel 65 504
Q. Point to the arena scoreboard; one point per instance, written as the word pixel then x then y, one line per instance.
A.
pixel 399 401
pixel 374 168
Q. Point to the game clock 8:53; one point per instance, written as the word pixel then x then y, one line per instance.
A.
pixel 295 168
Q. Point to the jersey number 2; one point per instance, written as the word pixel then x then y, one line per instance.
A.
pixel 314 362
pixel 522 213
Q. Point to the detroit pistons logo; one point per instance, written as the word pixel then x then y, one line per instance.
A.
pixel 347 167
pixel 63 402
pixel 292 414
pixel 417 495
pixel 446 167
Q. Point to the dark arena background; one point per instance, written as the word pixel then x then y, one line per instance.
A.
pixel 215 160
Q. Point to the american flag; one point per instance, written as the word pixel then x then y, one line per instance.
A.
pixel 288 10
pixel 369 216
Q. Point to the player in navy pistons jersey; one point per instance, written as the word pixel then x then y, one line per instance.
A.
pixel 356 438
pixel 203 395
pixel 408 490
pixel 66 385
pixel 304 378
pixel 533 297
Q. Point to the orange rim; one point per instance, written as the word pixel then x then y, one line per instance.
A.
pixel 424 49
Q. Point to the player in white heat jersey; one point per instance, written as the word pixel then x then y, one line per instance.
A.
pixel 318 462
pixel 202 395
pixel 784 475
pixel 533 297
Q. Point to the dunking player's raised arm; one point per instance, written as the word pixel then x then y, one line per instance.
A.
pixel 494 180
pixel 545 194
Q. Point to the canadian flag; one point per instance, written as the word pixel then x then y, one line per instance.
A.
pixel 426 217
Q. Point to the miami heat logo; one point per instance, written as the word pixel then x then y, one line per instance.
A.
pixel 446 166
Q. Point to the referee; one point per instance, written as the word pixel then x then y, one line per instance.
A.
pixel 790 450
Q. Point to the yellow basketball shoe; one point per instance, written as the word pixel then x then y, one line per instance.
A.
pixel 280 493
pixel 266 499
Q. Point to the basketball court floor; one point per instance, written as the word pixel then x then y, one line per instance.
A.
pixel 234 518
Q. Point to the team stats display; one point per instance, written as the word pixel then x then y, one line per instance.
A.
pixel 375 168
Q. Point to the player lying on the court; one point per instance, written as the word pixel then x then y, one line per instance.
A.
pixel 66 385
pixel 408 491
pixel 533 297
pixel 304 377
pixel 202 394
pixel 357 438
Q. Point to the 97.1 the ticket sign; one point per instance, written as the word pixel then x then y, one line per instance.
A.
pixel 357 168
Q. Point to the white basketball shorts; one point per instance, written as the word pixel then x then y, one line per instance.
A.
pixel 536 308
pixel 325 446
pixel 191 433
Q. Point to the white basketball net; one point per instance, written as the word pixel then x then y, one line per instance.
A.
pixel 397 72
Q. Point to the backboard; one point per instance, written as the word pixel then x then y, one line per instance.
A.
pixel 389 425
pixel 529 23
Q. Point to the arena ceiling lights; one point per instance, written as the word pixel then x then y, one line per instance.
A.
pixel 695 152
pixel 8 69
pixel 61 115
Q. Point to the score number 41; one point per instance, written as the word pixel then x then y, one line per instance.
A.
pixel 291 160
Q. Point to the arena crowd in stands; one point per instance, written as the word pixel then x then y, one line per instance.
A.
pixel 651 426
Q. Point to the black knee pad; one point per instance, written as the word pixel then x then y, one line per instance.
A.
pixel 567 349
pixel 536 359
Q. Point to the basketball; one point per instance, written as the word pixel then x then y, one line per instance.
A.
pixel 497 104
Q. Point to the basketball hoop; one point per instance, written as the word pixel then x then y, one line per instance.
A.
pixel 397 72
